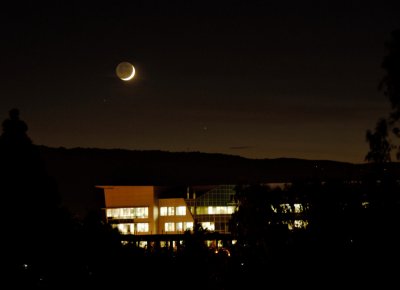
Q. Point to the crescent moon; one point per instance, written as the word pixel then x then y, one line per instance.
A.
pixel 125 71
pixel 131 76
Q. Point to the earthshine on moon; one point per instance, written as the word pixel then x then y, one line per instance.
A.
pixel 125 71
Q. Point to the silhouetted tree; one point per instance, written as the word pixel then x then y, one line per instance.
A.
pixel 380 145
pixel 29 200
pixel 42 244
pixel 382 186
pixel 258 224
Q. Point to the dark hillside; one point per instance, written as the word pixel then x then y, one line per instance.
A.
pixel 78 170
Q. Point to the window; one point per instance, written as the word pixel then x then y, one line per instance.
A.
pixel 142 212
pixel 188 226
pixel 167 211
pixel 142 227
pixel 215 210
pixel 125 229
pixel 300 224
pixel 127 213
pixel 181 210
pixel 163 211
pixel 208 225
pixel 298 208
pixel 179 227
pixel 169 227
pixel 120 213
pixel 285 207
pixel 143 244
pixel 297 224
pixel 171 210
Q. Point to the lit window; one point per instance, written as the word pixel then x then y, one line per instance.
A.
pixel 142 227
pixel 285 207
pixel 298 208
pixel 215 210
pixel 296 224
pixel 208 225
pixel 181 210
pixel 231 209
pixel 127 213
pixel 365 204
pixel 179 227
pixel 171 210
pixel 223 210
pixel 188 226
pixel 163 211
pixel 142 212
pixel 125 229
pixel 300 224
pixel 169 227
pixel 143 244
pixel 120 213
pixel 202 210
pixel 289 224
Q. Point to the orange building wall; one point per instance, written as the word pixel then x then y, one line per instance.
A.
pixel 133 196
pixel 173 202
pixel 126 196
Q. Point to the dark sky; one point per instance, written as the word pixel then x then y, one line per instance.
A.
pixel 259 79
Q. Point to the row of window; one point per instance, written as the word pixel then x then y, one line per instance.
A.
pixel 143 212
pixel 183 226
pixel 132 228
pixel 178 227
pixel 215 210
pixel 128 212
pixel 296 224
pixel 288 208
pixel 172 210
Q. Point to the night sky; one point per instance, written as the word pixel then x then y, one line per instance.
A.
pixel 259 79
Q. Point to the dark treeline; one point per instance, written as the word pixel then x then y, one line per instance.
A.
pixel 351 235
pixel 42 245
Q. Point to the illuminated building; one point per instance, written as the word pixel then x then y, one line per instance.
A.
pixel 153 210
pixel 150 215
pixel 162 214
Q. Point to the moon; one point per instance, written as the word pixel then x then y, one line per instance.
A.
pixel 125 71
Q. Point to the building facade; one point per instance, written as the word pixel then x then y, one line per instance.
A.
pixel 152 210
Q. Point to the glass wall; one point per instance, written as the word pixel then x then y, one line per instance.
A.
pixel 214 208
